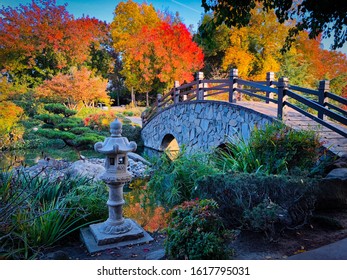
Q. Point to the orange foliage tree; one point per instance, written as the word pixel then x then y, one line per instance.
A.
pixel 40 39
pixel 79 87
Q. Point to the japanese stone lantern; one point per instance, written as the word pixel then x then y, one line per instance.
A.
pixel 115 228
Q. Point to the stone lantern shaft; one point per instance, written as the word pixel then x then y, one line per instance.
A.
pixel 115 228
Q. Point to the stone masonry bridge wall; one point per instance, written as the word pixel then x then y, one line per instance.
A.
pixel 201 125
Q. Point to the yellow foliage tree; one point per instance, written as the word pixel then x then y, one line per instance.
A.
pixel 130 18
pixel 10 131
pixel 255 49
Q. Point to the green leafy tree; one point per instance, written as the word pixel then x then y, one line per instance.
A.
pixel 214 41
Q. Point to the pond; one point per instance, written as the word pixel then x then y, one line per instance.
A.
pixel 31 157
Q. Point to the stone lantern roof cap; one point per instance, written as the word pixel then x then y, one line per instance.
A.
pixel 116 144
pixel 116 128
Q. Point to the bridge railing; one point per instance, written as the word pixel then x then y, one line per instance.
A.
pixel 317 104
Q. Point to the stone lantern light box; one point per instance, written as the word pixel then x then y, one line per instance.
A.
pixel 115 231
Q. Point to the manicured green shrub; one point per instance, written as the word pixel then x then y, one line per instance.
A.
pixel 128 113
pixel 196 232
pixel 60 123
pixel 259 202
pixel 133 133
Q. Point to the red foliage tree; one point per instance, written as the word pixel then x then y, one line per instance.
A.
pixel 39 39
pixel 165 53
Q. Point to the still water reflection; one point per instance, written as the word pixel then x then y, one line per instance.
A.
pixel 31 157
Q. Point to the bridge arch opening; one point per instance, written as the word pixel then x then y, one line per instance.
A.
pixel 170 145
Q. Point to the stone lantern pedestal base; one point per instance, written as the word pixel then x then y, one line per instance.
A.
pixel 97 241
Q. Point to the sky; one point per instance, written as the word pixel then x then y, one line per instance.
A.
pixel 190 11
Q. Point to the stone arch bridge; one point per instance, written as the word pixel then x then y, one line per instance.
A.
pixel 188 115
pixel 201 125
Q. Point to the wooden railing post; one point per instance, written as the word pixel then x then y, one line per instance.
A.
pixel 159 98
pixel 199 86
pixel 233 76
pixel 176 92
pixel 324 87
pixel 184 97
pixel 270 78
pixel 282 97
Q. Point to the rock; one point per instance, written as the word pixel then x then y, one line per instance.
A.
pixel 338 173
pixel 86 169
pixel 53 163
pixel 156 255
pixel 339 163
pixel 58 255
pixel 137 157
pixel 333 190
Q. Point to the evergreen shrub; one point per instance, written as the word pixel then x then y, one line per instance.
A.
pixel 257 202
pixel 196 232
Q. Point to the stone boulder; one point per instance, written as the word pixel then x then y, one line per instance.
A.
pixel 87 169
pixel 333 190
pixel 341 162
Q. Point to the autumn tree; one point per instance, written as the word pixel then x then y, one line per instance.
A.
pixel 40 39
pixel 327 17
pixel 79 87
pixel 10 115
pixel 166 53
pixel 306 63
pixel 155 51
pixel 129 19
pixel 255 49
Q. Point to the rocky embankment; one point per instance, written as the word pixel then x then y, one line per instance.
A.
pixel 91 168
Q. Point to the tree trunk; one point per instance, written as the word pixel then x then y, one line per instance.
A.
pixel 147 99
pixel 132 97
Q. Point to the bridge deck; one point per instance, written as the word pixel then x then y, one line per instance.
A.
pixel 330 139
